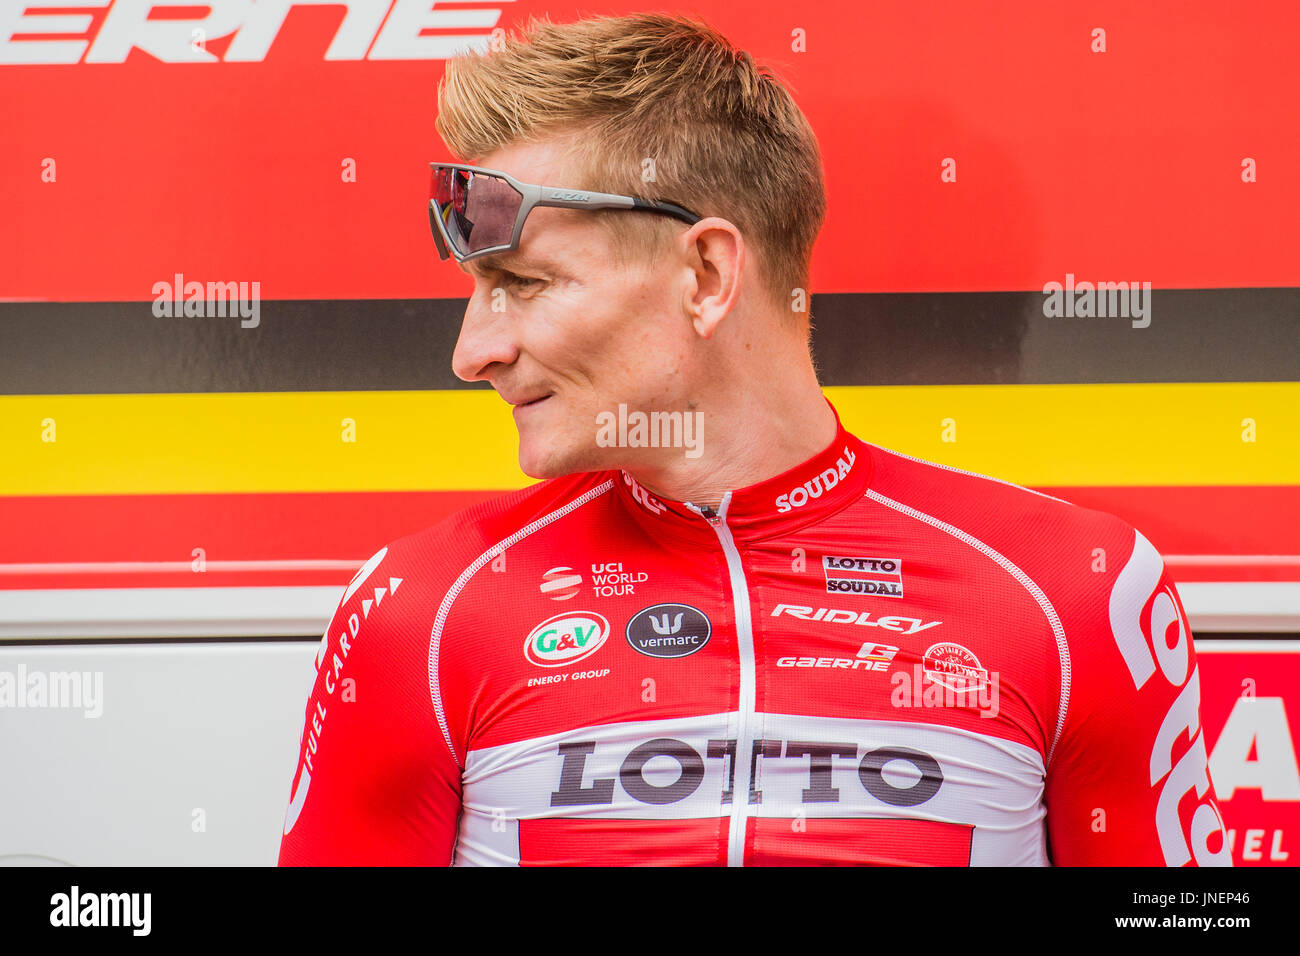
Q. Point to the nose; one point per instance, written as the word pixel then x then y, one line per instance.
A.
pixel 486 337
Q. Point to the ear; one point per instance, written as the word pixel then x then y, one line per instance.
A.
pixel 714 252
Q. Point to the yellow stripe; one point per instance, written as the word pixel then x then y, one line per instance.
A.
pixel 1142 434
pixel 259 441
pixel 1159 434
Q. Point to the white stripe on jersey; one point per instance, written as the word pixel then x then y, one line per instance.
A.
pixel 992 784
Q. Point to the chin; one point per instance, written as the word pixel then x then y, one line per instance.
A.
pixel 541 463
pixel 542 459
pixel 540 472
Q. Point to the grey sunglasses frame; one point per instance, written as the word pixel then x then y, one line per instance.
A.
pixel 533 196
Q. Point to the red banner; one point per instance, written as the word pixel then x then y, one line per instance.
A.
pixel 1250 709
pixel 287 142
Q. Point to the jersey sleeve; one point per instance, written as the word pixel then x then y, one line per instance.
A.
pixel 1128 780
pixel 375 784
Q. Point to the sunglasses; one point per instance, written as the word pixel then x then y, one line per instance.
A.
pixel 475 211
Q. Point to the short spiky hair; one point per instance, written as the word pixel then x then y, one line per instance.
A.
pixel 722 136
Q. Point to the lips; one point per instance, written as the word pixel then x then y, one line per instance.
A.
pixel 528 402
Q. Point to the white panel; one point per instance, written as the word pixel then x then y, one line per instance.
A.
pixel 167 612
pixel 1241 605
pixel 994 784
pixel 183 726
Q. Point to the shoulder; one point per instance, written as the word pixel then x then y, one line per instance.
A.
pixel 474 534
pixel 1095 578
pixel 406 590
pixel 1059 545
pixel 433 567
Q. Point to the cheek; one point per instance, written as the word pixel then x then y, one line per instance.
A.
pixel 605 333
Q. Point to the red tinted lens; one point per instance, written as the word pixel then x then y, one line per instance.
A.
pixel 478 210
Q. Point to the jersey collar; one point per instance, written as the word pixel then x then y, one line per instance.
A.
pixel 809 492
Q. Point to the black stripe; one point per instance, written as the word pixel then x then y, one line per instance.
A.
pixel 1205 335
pixel 298 345
pixel 995 338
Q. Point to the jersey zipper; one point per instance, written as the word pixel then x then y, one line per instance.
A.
pixel 745 640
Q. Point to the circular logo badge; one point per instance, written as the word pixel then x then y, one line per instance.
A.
pixel 560 584
pixel 566 638
pixel 954 667
pixel 668 630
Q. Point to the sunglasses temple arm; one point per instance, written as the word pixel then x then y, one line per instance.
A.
pixel 592 200
pixel 671 209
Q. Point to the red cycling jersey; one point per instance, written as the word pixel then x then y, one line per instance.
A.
pixel 865 659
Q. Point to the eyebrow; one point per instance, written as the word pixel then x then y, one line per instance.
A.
pixel 503 262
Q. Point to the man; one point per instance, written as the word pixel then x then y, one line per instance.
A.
pixel 752 637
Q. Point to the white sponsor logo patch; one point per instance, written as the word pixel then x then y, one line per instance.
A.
pixel 954 666
pixel 851 575
pixel 565 639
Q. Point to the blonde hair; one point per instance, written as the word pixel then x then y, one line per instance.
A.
pixel 650 92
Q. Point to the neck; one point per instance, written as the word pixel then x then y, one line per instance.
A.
pixel 749 434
